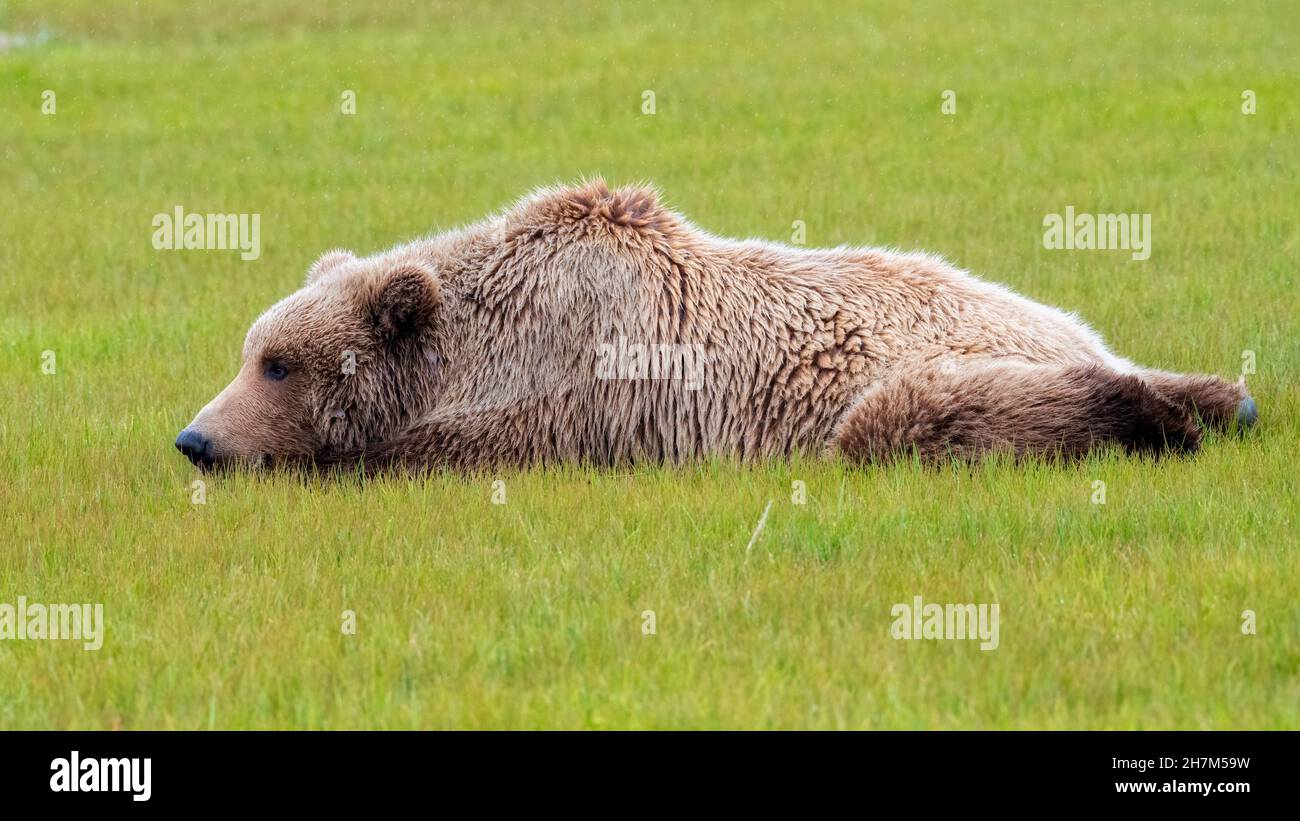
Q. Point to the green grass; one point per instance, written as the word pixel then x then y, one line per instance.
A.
pixel 528 614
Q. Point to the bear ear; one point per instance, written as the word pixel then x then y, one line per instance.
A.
pixel 405 302
pixel 328 262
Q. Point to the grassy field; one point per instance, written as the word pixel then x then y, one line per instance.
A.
pixel 470 614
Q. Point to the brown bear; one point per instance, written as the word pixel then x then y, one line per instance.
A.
pixel 597 326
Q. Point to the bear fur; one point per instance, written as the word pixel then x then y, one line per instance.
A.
pixel 491 346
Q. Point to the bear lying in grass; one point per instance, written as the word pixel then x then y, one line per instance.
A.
pixel 597 326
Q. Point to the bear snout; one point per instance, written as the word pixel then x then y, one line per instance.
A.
pixel 196 447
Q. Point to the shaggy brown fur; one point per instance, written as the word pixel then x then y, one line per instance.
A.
pixel 1021 409
pixel 483 347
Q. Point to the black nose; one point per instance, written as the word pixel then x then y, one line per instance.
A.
pixel 195 446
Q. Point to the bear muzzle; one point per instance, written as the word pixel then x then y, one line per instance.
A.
pixel 196 447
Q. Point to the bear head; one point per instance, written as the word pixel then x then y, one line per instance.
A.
pixel 350 359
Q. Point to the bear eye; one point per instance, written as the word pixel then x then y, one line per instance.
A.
pixel 276 371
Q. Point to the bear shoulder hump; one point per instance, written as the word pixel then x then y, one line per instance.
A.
pixel 592 208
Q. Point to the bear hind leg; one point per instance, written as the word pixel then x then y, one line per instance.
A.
pixel 968 410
